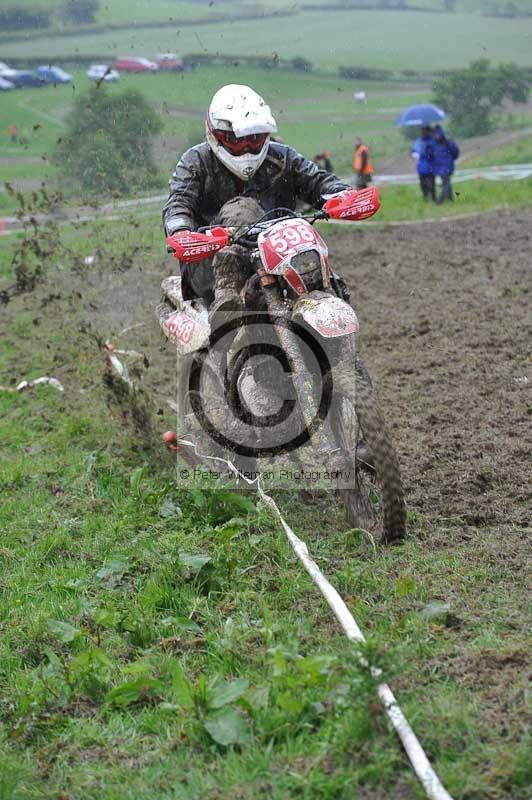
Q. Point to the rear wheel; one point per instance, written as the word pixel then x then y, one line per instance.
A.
pixel 376 500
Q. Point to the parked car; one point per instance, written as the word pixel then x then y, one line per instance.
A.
pixel 53 74
pixel 3 67
pixel 21 78
pixel 170 62
pixel 6 85
pixel 133 64
pixel 101 72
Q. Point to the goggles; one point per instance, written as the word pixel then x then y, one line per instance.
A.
pixel 238 145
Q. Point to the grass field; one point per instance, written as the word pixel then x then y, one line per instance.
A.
pixel 138 11
pixel 406 203
pixel 461 6
pixel 390 40
pixel 516 153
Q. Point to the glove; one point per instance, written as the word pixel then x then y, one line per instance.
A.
pixel 179 223
pixel 176 225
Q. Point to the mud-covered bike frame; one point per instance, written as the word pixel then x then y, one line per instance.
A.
pixel 296 293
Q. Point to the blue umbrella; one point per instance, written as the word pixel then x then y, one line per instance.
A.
pixel 422 114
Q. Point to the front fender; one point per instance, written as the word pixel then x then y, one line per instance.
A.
pixel 327 314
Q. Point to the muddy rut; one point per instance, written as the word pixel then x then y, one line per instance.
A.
pixel 446 326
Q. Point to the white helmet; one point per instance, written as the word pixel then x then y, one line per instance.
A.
pixel 238 128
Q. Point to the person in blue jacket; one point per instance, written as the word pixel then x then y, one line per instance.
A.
pixel 446 151
pixel 423 153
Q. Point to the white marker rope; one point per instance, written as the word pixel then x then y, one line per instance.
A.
pixel 45 380
pixel 429 780
pixel 422 767
pixel 119 366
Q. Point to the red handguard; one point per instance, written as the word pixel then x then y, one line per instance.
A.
pixel 353 204
pixel 191 247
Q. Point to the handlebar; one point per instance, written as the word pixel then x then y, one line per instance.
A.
pixel 206 241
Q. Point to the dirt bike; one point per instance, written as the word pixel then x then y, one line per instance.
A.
pixel 307 324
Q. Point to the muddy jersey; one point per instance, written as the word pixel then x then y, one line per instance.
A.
pixel 201 185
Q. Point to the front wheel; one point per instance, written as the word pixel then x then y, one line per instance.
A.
pixel 376 500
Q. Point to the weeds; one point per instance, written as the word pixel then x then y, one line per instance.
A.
pixel 40 242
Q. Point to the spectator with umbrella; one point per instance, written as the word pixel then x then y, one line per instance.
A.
pixel 423 115
pixel 419 116
pixel 446 151
pixel 423 153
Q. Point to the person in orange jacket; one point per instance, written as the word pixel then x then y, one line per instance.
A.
pixel 362 164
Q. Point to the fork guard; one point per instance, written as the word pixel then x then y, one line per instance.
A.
pixel 327 314
pixel 185 323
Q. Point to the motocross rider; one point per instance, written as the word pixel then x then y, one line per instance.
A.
pixel 232 178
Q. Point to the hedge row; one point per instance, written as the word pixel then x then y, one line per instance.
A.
pixel 191 61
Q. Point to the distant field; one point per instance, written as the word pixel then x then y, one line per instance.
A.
pixel 133 11
pixel 138 11
pixel 165 10
pixel 395 40
pixel 116 11
pixel 462 6
pixel 313 113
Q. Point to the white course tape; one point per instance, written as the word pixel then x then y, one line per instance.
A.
pixel 422 767
pixel 119 366
pixel 37 382
pixel 432 785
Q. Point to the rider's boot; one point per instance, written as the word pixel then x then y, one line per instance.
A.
pixel 231 266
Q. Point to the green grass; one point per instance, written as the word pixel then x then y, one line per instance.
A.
pixel 406 203
pixel 115 647
pixel 462 6
pixel 390 40
pixel 480 5
pixel 118 11
pixel 166 11
pixel 519 152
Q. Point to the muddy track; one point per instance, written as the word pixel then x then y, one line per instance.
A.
pixel 446 322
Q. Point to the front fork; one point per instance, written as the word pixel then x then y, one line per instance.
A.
pixel 320 432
